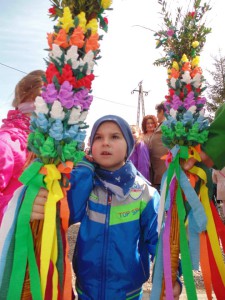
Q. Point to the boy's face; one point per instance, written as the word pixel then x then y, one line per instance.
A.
pixel 109 148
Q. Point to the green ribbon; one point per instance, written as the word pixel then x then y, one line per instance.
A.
pixel 24 248
pixel 174 168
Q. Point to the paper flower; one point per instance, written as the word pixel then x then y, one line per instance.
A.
pixel 57 111
pixel 49 93
pixel 40 106
pixel 65 95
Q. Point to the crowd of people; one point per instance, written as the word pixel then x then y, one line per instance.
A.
pixel 121 173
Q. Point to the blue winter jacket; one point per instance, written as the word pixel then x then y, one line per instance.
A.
pixel 111 257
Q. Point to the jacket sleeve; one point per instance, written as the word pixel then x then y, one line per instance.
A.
pixel 215 146
pixel 143 160
pixel 149 223
pixel 6 165
pixel 81 186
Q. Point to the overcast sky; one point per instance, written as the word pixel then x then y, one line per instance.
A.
pixel 128 52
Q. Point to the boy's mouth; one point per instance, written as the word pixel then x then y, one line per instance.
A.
pixel 105 153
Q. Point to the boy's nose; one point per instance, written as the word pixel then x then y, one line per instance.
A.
pixel 106 141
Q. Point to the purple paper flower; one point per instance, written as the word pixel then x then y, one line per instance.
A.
pixel 201 101
pixel 66 95
pixel 170 32
pixel 49 93
pixel 176 102
pixel 189 100
pixel 83 99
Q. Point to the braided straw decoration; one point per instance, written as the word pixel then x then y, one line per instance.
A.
pixel 174 246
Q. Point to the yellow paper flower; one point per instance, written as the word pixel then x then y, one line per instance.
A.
pixel 93 25
pixel 195 61
pixel 195 44
pixel 106 3
pixel 66 22
pixel 184 58
pixel 82 20
pixel 175 65
pixel 157 42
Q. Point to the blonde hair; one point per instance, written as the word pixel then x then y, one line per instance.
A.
pixel 136 129
pixel 28 88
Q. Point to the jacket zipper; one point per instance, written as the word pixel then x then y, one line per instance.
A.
pixel 105 245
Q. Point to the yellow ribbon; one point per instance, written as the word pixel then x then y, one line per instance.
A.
pixel 211 229
pixel 49 251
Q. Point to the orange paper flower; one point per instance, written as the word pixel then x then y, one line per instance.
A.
pixel 186 66
pixel 174 73
pixel 77 38
pixel 50 39
pixel 92 43
pixel 61 39
pixel 195 71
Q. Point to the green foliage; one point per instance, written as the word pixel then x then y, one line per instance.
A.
pixel 177 35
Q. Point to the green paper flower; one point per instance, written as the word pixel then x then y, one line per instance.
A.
pixel 48 148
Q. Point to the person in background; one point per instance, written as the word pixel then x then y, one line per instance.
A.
pixel 218 177
pixel 149 124
pixel 157 150
pixel 13 136
pixel 118 214
pixel 140 155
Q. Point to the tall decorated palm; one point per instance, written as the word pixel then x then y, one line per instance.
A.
pixel 190 228
pixel 34 255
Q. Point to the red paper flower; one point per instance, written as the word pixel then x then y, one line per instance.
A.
pixel 51 72
pixel 67 75
pixel 85 82
pixel 52 10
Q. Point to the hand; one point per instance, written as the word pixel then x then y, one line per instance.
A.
pixel 89 158
pixel 176 291
pixel 204 158
pixel 38 210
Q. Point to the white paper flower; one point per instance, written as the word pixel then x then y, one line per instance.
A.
pixel 202 112
pixel 186 77
pixel 83 115
pixel 173 113
pixel 56 52
pixel 89 59
pixel 40 106
pixel 74 115
pixel 57 111
pixel 192 109
pixel 173 82
pixel 196 81
pixel 73 56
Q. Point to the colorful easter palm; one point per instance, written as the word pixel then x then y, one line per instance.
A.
pixel 34 258
pixel 191 227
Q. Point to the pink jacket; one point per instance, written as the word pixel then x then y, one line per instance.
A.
pixel 218 177
pixel 13 154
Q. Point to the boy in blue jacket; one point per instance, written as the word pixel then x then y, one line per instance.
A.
pixel 117 209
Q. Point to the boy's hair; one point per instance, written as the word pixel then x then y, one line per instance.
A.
pixel 124 127
pixel 160 107
pixel 144 121
pixel 28 88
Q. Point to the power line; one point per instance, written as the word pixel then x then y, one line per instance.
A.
pixel 114 102
pixel 12 68
pixel 93 96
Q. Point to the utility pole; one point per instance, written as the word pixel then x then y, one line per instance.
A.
pixel 140 101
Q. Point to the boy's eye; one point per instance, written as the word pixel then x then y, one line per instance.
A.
pixel 97 137
pixel 115 137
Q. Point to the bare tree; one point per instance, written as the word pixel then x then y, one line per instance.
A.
pixel 216 90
